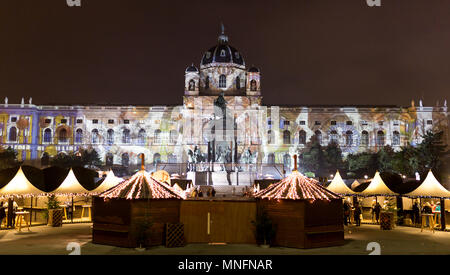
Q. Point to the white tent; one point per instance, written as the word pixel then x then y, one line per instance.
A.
pixel 431 188
pixel 20 186
pixel 338 186
pixel 109 182
pixel 377 187
pixel 355 184
pixel 70 186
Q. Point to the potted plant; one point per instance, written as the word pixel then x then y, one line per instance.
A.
pixel 387 216
pixel 264 228
pixel 53 213
pixel 141 228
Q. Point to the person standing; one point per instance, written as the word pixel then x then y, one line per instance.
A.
pixel 377 210
pixel 357 214
pixel 346 213
pixel 416 213
pixel 2 214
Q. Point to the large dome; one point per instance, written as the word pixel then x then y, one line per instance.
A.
pixel 222 53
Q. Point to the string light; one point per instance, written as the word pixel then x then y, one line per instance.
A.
pixel 296 187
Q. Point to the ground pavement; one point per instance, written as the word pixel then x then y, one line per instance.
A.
pixel 54 240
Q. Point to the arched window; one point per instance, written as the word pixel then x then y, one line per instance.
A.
pixel 222 53
pixel 318 135
pixel 62 137
pixel 271 158
pixel 222 81
pixel 79 136
pixel 302 137
pixel 12 134
pixel 380 138
pixel 126 136
pixel 396 138
pixel 286 137
pixel 156 158
pixel 191 85
pixel 253 85
pixel 334 138
pixel 45 159
pixel 207 82
pixel 173 136
pixel 157 136
pixel 141 137
pixel 95 137
pixel 125 159
pixel 364 138
pixel 349 138
pixel 110 136
pixel 238 82
pixel 287 161
pixel 270 137
pixel 47 135
pixel 109 159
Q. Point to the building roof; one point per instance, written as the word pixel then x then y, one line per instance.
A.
pixel 142 186
pixel 377 187
pixel 296 186
pixel 338 186
pixel 430 187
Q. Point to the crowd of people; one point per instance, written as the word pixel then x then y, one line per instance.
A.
pixel 8 210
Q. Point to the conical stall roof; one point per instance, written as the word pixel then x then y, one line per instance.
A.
pixel 20 186
pixel 70 186
pixel 296 186
pixel 108 182
pixel 377 187
pixel 338 186
pixel 142 186
pixel 431 188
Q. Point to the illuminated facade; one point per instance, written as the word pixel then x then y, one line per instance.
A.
pixel 222 120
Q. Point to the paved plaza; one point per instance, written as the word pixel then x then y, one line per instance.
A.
pixel 51 240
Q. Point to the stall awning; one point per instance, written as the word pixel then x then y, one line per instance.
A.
pixel 338 186
pixel 377 187
pixel 430 187
pixel 296 187
pixel 20 186
pixel 70 186
pixel 109 182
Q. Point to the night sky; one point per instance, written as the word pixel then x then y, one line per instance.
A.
pixel 310 52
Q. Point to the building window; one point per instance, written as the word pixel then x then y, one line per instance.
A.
pixel 271 158
pixel 429 122
pixel 171 158
pixel 302 122
pixel 302 137
pixel 62 136
pixel 238 82
pixel 157 136
pixel 110 136
pixel 125 159
pixel 207 82
pixel 349 138
pixel 191 85
pixel 13 119
pixel 47 135
pixel 364 123
pixel 63 121
pixel 222 81
pixel 316 122
pixel 287 123
pixel 79 136
pixel 396 138
pixel 47 121
pixel 334 138
pixel 287 161
pixel 173 136
pixel 141 137
pixel 333 122
pixel 270 137
pixel 110 121
pixel 364 138
pixel 380 123
pixel 95 121
pixel 380 138
pixel 156 158
pixel 79 121
pixel 286 137
pixel 349 122
pixel 126 121
pixel 126 136
pixel 95 136
pixel 222 53
pixel 318 135
pixel 253 86
pixel 396 123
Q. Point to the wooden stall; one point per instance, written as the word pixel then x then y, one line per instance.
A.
pixel 121 213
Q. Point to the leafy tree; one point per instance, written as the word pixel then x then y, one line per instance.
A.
pixel 8 158
pixel 431 151
pixel 312 157
pixel 90 158
pixel 362 164
pixel 385 159
pixel 333 158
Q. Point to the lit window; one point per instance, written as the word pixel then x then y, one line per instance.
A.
pixel 95 136
pixel 364 138
pixel 79 136
pixel 380 138
pixel 126 136
pixel 302 137
pixel 286 137
pixel 222 81
pixel 110 136
pixel 47 135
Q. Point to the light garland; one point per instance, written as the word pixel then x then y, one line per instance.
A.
pixel 297 187
pixel 142 186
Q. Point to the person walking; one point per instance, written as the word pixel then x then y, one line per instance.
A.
pixel 377 210
pixel 357 214
pixel 415 213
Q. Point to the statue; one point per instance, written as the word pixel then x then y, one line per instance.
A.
pixel 191 165
pixel 23 101
pixel 6 101
pixel 30 101
pixel 420 103
pixel 445 103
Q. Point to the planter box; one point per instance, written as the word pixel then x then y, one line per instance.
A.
pixel 55 217
pixel 386 220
